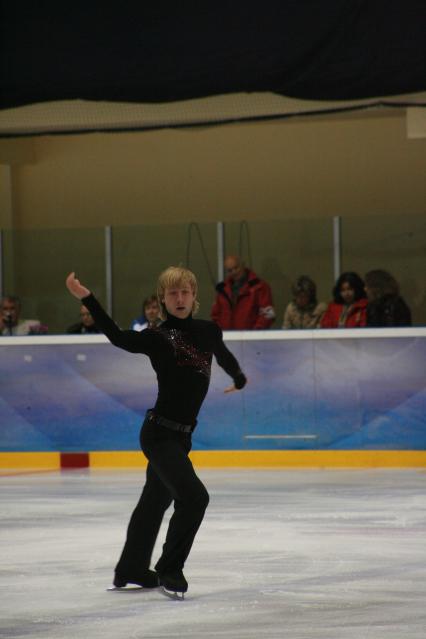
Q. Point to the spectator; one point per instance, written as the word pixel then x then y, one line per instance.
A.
pixel 385 305
pixel 85 325
pixel 304 311
pixel 349 308
pixel 243 300
pixel 150 317
pixel 10 309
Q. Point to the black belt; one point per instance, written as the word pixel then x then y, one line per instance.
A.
pixel 168 423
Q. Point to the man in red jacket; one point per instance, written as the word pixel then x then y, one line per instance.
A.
pixel 243 300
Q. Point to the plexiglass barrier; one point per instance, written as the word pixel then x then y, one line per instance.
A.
pixel 36 262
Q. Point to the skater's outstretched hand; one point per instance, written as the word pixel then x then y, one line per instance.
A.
pixel 75 288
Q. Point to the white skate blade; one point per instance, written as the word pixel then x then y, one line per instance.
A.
pixel 128 588
pixel 172 594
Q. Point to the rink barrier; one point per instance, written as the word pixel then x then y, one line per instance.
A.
pixel 325 398
pixel 221 459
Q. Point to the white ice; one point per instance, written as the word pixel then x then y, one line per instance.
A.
pixel 289 554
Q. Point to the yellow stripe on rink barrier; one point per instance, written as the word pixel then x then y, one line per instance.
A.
pixel 310 458
pixel 27 461
pixel 274 459
pixel 231 459
pixel 117 459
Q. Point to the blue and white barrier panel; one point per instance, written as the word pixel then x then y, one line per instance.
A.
pixel 308 390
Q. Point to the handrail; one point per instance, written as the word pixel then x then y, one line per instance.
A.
pixel 232 336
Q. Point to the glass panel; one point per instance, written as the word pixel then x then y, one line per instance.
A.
pixel 394 243
pixel 279 251
pixel 140 254
pixel 36 263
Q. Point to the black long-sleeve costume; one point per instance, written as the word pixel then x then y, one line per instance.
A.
pixel 181 353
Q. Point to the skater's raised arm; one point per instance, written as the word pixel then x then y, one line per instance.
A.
pixel 228 362
pixel 131 341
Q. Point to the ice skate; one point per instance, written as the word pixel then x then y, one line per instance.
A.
pixel 174 585
pixel 146 581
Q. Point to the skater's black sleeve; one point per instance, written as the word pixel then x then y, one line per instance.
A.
pixel 132 341
pixel 227 361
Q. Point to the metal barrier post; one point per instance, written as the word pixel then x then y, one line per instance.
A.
pixel 108 269
pixel 220 250
pixel 337 246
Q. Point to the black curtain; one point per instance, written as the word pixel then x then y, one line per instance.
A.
pixel 158 52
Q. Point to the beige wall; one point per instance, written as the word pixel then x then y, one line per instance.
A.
pixel 347 165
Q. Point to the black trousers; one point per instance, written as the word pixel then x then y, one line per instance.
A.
pixel 170 476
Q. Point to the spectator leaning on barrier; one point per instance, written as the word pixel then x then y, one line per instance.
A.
pixel 150 317
pixel 85 325
pixel 349 308
pixel 243 300
pixel 10 309
pixel 304 311
pixel 385 307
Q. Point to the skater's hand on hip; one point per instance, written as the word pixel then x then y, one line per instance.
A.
pixel 75 288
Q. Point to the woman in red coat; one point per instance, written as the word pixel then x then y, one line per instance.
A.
pixel 349 308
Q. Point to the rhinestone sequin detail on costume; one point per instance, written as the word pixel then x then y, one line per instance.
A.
pixel 187 354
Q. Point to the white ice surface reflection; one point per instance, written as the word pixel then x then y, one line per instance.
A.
pixel 294 554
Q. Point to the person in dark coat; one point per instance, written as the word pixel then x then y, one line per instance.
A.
pixel 385 307
pixel 86 325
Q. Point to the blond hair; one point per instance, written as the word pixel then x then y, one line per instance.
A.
pixel 176 276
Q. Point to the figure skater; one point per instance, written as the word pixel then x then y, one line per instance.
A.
pixel 180 350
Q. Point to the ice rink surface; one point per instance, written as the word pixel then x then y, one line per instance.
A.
pixel 281 554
